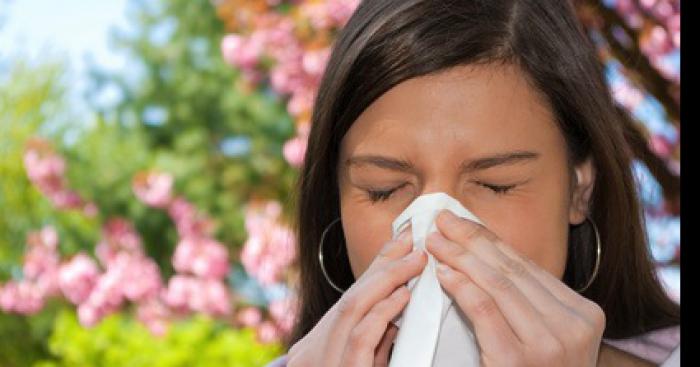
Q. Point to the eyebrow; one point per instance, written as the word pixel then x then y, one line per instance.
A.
pixel 482 163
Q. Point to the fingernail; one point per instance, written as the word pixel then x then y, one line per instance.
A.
pixel 404 236
pixel 443 269
pixel 415 253
pixel 447 216
pixel 435 240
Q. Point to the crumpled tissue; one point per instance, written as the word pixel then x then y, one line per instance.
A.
pixel 432 331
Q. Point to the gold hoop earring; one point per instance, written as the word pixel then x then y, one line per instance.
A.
pixel 597 257
pixel 320 258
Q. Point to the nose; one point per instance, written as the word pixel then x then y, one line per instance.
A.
pixel 447 188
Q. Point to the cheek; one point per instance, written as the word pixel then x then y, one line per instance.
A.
pixel 539 230
pixel 543 240
pixel 366 231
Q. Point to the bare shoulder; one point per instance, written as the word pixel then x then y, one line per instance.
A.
pixel 611 356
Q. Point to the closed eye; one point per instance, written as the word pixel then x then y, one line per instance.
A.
pixel 381 195
pixel 497 189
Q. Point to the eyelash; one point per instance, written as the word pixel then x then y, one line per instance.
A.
pixel 498 190
pixel 382 195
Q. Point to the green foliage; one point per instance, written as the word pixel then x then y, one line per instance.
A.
pixel 23 339
pixel 123 342
pixel 32 102
pixel 179 103
pixel 188 103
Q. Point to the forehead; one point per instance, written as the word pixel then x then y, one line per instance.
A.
pixel 472 108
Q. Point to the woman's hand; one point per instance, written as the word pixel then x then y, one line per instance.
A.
pixel 354 331
pixel 522 315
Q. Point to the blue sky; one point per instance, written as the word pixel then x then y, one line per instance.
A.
pixel 73 30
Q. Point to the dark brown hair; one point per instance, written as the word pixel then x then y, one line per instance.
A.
pixel 386 42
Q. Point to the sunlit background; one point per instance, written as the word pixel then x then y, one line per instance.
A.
pixel 149 150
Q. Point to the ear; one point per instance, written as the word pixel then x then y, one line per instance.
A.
pixel 582 189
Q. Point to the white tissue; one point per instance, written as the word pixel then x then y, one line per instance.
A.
pixel 432 331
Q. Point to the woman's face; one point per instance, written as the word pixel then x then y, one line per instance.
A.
pixel 478 133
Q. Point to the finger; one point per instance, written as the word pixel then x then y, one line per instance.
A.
pixel 555 286
pixel 524 318
pixel 365 337
pixel 381 357
pixel 461 230
pixel 561 305
pixel 393 249
pixel 497 340
pixel 371 289
pixel 489 248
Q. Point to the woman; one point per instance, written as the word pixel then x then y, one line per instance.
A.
pixel 502 105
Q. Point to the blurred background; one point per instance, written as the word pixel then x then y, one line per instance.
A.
pixel 148 155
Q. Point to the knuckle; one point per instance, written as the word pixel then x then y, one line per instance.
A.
pixel 501 283
pixel 383 254
pixel 484 307
pixel 579 332
pixel 593 315
pixel 402 294
pixel 549 350
pixel 471 231
pixel 457 283
pixel 514 267
pixel 357 339
pixel 454 252
pixel 598 316
pixel 347 305
pixel 386 250
pixel 462 284
pixel 511 358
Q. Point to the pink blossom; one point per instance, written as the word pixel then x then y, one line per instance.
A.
pixel 242 52
pixel 249 316
pixel 627 96
pixel 65 198
pixel 188 221
pixel 259 216
pixel 340 11
pixel 314 61
pixel 294 150
pixel 41 262
pixel 267 332
pixel 77 277
pixel 293 71
pixel 155 315
pixel 45 169
pixel 106 298
pixel 90 209
pixel 21 297
pixel 130 276
pixel 288 77
pixel 39 271
pixel 270 247
pixel 202 256
pixel 656 41
pixel 187 293
pixel 153 188
pixel 302 100
pixel 283 312
pixel 660 145
pixel 42 255
pixel 674 26
pixel 140 276
pixel 216 298
pixel 118 235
